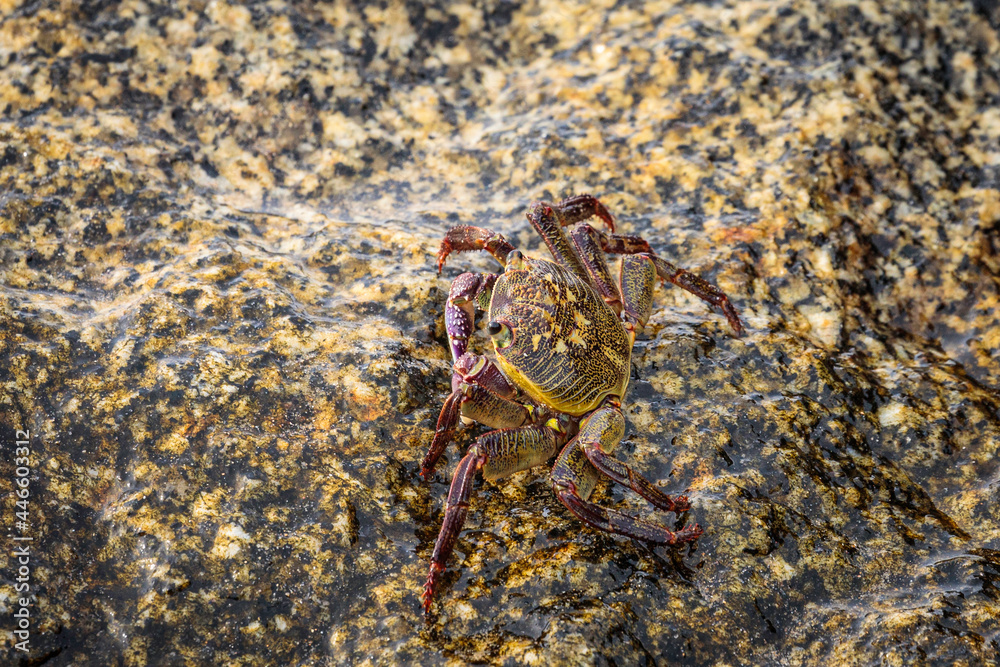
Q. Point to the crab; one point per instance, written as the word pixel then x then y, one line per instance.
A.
pixel 562 334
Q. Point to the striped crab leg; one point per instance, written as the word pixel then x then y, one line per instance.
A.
pixel 591 244
pixel 549 219
pixel 482 395
pixel 497 454
pixel 589 455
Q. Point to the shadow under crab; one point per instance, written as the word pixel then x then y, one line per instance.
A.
pixel 563 333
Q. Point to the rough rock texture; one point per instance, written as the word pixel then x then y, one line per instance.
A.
pixel 220 320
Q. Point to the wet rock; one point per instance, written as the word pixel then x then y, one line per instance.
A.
pixel 222 326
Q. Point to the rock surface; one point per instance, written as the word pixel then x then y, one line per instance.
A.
pixel 222 326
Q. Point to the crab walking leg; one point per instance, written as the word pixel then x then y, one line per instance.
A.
pixel 573 480
pixel 468 292
pixel 497 454
pixel 617 244
pixel 611 521
pixel 549 219
pixel 587 244
pixel 444 432
pixel 465 238
pixel 474 402
pixel 623 244
pixel 700 287
pixel 599 435
pixel 581 207
pixel 547 223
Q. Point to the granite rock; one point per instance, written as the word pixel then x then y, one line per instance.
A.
pixel 222 326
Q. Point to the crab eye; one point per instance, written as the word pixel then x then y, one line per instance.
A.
pixel 514 261
pixel 501 333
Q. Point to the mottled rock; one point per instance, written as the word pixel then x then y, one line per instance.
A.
pixel 222 325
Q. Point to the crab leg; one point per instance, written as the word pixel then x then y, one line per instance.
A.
pixel 637 280
pixel 611 521
pixel 549 219
pixel 482 395
pixel 465 238
pixel 698 286
pixel 581 207
pixel 586 242
pixel 618 244
pixel 547 223
pixel 575 475
pixel 497 454
pixel 599 436
pixel 444 432
pixel 623 244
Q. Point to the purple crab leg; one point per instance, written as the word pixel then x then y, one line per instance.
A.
pixel 549 219
pixel 586 241
pixel 575 475
pixel 497 454
pixel 582 207
pixel 620 244
pixel 444 432
pixel 637 280
pixel 466 238
pixel 700 287
pixel 546 222
pixel 623 244
pixel 475 401
pixel 599 436
pixel 611 521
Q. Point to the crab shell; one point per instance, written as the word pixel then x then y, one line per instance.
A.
pixel 561 343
